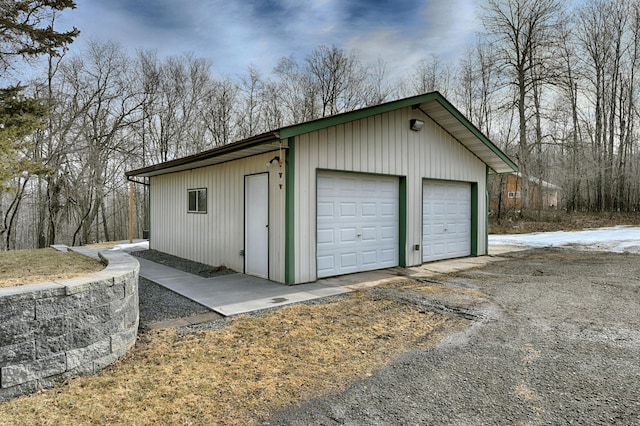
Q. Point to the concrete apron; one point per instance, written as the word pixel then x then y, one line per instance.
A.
pixel 235 294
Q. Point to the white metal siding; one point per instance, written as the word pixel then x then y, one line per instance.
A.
pixel 381 144
pixel 217 237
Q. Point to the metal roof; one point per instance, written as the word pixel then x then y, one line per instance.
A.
pixel 260 144
pixel 434 105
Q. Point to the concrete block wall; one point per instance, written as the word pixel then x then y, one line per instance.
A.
pixel 55 330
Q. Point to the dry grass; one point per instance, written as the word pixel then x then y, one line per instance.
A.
pixel 105 244
pixel 241 373
pixel 20 267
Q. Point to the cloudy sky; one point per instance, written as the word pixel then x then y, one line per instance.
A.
pixel 236 33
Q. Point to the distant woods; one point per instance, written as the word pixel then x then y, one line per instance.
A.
pixel 555 88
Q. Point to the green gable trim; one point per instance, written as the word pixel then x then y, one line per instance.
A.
pixel 402 222
pixel 289 215
pixel 477 133
pixel 474 219
pixel 346 117
pixel 336 120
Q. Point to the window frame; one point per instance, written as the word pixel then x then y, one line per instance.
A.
pixel 197 191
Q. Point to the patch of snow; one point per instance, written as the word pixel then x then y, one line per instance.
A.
pixel 619 239
pixel 142 245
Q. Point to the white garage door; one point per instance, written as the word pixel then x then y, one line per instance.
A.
pixel 357 223
pixel 446 220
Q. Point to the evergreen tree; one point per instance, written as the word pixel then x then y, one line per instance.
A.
pixel 26 29
pixel 20 116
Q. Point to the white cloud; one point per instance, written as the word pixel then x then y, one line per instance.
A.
pixel 450 25
pixel 234 34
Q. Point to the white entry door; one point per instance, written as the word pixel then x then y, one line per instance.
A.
pixel 446 220
pixel 256 226
pixel 357 223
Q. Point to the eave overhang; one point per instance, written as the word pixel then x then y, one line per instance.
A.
pixel 256 145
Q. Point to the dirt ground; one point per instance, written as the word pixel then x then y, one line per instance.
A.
pixel 555 340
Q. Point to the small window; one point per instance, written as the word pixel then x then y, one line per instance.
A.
pixel 514 194
pixel 197 200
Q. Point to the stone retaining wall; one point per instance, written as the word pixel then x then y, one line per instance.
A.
pixel 55 330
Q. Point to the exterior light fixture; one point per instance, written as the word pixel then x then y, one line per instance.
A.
pixel 274 159
pixel 416 125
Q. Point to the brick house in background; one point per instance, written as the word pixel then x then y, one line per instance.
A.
pixel 506 193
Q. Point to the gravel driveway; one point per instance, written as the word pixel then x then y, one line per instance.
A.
pixel 556 340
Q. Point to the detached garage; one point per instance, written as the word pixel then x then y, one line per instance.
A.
pixel 396 184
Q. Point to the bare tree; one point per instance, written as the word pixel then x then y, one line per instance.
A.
pixel 610 62
pixel 339 79
pixel 250 111
pixel 476 85
pixel 218 112
pixel 100 87
pixel 569 134
pixel 297 93
pixel 524 32
pixel 431 75
pixel 379 87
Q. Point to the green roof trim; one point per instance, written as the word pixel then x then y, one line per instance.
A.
pixel 473 129
pixel 334 120
pixel 252 145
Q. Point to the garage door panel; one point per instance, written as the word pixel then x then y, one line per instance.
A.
pixel 325 263
pixel 346 183
pixel 388 257
pixel 325 210
pixel 369 185
pixel 369 209
pixel 348 260
pixel 369 257
pixel 326 236
pixel 446 221
pixel 437 249
pixel 388 232
pixel 369 233
pixel 347 235
pixel 367 223
pixel 347 210
pixel 389 210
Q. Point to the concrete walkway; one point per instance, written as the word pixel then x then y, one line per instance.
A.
pixel 234 294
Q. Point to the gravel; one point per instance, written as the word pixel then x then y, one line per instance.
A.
pixel 158 303
pixel 196 268
pixel 556 340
